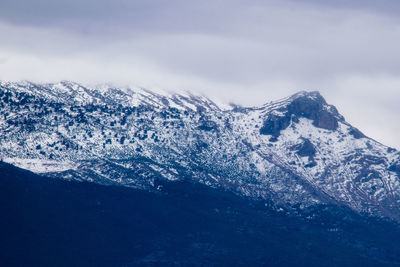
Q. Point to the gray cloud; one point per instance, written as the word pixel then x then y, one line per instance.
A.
pixel 247 52
pixel 383 7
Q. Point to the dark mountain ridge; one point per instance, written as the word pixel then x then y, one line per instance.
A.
pixel 51 222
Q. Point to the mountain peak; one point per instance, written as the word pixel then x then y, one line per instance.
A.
pixel 315 95
pixel 313 98
pixel 309 105
pixel 313 106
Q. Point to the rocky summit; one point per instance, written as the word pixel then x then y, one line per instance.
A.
pixel 294 152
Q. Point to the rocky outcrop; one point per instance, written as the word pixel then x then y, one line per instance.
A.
pixel 311 106
pixel 274 124
pixel 395 168
pixel 314 107
pixel 356 133
pixel 305 149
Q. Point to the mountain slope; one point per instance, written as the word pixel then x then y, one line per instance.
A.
pixel 298 151
pixel 51 222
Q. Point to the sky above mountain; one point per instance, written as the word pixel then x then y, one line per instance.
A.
pixel 246 52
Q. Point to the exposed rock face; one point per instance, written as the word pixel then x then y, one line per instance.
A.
pixel 356 133
pixel 274 124
pixel 305 149
pixel 325 120
pixel 208 125
pixel 395 168
pixel 314 107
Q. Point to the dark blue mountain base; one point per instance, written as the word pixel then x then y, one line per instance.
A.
pixel 50 222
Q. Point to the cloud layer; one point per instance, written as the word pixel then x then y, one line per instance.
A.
pixel 247 52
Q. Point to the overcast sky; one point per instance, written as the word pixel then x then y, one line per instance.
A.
pixel 241 51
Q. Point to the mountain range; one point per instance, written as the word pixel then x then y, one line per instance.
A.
pixel 289 156
pixel 295 151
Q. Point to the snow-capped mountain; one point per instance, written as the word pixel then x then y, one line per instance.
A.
pixel 297 151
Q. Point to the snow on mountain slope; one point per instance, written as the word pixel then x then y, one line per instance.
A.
pixel 296 151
